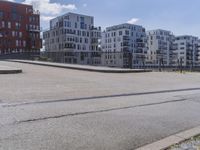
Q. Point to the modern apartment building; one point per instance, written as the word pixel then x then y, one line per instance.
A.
pixel 19 30
pixel 72 38
pixel 160 47
pixel 124 46
pixel 186 51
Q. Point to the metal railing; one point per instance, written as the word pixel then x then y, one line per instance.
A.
pixel 110 59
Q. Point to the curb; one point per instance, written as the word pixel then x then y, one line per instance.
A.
pixel 172 140
pixel 101 70
pixel 10 70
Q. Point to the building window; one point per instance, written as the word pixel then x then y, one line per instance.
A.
pixel 9 25
pixel 3 24
pixel 82 19
pixel 14 16
pixel 1 35
pixel 17 25
pixel 17 43
pixel 82 25
pixel 13 33
pixel 20 34
pixel 24 43
pixel 1 14
pixel 127 32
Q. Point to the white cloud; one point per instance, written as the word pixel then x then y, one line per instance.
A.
pixel 10 0
pixel 133 20
pixel 47 18
pixel 49 10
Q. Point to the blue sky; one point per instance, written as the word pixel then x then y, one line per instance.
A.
pixel 179 16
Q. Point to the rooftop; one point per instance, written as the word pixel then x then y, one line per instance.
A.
pixel 122 26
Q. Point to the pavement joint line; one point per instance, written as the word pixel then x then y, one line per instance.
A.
pixel 97 111
pixel 99 97
pixel 177 138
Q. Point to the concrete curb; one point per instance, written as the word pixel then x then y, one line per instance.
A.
pixel 172 140
pixel 10 70
pixel 83 68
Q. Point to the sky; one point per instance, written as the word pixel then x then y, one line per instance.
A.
pixel 182 17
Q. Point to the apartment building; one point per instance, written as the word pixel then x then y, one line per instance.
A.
pixel 72 38
pixel 19 30
pixel 124 46
pixel 198 54
pixel 160 47
pixel 186 51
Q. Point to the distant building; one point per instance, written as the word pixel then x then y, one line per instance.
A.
pixel 72 38
pixel 19 30
pixel 186 51
pixel 160 47
pixel 124 46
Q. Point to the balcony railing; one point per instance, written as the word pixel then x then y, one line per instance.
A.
pixel 34 30
pixel 36 12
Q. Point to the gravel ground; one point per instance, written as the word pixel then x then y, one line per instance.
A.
pixel 191 144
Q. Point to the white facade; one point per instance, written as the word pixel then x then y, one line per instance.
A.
pixel 72 38
pixel 186 51
pixel 160 47
pixel 124 46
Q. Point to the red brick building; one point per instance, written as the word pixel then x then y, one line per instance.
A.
pixel 19 29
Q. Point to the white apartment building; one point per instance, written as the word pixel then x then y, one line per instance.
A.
pixel 124 46
pixel 198 63
pixel 160 47
pixel 72 38
pixel 186 51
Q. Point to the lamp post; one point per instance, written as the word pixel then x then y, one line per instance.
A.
pixel 181 65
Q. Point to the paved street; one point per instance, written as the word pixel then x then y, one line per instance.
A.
pixel 51 108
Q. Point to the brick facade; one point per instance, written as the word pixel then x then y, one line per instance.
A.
pixel 19 29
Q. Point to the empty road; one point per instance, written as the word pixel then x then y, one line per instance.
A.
pixel 47 108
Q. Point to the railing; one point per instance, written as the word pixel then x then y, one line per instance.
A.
pixel 34 29
pixel 114 59
pixel 36 12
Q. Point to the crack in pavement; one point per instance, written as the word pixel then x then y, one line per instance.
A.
pixel 97 111
pixel 100 97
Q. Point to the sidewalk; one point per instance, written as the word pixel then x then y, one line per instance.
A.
pixel 83 67
pixel 172 140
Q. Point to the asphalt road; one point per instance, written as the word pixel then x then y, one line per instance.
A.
pixel 47 108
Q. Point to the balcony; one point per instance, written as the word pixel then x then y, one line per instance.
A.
pixel 34 29
pixel 36 12
pixel 125 44
pixel 139 41
pixel 126 38
pixel 138 51
pixel 126 50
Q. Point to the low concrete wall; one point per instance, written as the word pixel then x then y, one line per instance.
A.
pixel 84 67
pixel 9 70
pixel 28 56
